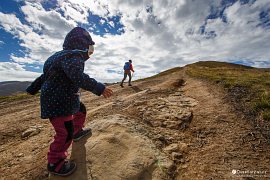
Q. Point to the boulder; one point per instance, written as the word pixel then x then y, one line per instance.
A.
pixel 117 150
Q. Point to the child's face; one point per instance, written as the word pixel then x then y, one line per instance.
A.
pixel 90 50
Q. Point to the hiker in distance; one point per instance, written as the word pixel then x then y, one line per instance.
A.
pixel 63 75
pixel 127 72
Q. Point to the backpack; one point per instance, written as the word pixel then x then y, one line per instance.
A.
pixel 127 66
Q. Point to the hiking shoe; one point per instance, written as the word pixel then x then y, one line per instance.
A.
pixel 121 85
pixel 63 168
pixel 82 133
pixel 129 85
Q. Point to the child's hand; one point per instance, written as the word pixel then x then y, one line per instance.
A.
pixel 107 92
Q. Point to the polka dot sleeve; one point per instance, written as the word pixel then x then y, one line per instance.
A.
pixel 74 69
pixel 36 85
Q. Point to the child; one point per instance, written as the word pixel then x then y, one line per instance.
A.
pixel 127 68
pixel 60 82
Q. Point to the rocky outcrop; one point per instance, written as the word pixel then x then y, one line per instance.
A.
pixel 118 151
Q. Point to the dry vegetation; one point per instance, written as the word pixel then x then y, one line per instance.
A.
pixel 248 88
pixel 197 122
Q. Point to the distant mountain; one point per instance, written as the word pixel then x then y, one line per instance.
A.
pixel 13 87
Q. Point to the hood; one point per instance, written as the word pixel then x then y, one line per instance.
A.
pixel 78 38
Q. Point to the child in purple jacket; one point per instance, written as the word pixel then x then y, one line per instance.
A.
pixel 63 75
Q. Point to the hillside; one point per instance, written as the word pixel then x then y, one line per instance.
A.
pixel 247 89
pixel 201 121
pixel 8 88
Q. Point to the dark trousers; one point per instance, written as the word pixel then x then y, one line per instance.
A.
pixel 127 73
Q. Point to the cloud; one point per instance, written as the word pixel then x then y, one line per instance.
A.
pixel 102 21
pixel 42 36
pixel 49 23
pixel 74 11
pixel 22 60
pixel 15 72
pixel 158 34
pixel 13 25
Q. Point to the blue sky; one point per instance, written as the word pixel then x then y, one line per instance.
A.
pixel 155 34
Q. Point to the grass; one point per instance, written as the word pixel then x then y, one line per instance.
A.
pixel 266 116
pixel 263 103
pixel 16 97
pixel 169 71
pixel 255 81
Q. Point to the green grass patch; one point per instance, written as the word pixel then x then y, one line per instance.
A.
pixel 16 97
pixel 266 116
pixel 263 103
pixel 164 73
pixel 255 80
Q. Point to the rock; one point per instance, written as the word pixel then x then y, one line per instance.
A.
pixel 178 93
pixel 176 156
pixel 179 83
pixel 46 173
pixel 172 124
pixel 117 103
pixel 32 131
pixel 44 145
pixel 37 126
pixel 171 148
pixel 20 155
pixel 160 106
pixel 156 123
pixel 148 122
pixel 184 166
pixel 163 140
pixel 188 102
pixel 185 116
pixel 183 147
pixel 119 151
pixel 140 103
pixel 166 163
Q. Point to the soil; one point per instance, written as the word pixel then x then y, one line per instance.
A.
pixel 168 127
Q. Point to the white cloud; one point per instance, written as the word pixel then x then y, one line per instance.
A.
pixel 2 42
pixel 12 24
pixel 111 23
pixel 50 23
pixel 98 7
pixel 10 66
pixel 15 72
pixel 74 11
pixel 168 44
pixel 159 34
pixel 42 37
pixel 102 21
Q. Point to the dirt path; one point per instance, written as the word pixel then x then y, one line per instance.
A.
pixel 221 141
pixel 157 129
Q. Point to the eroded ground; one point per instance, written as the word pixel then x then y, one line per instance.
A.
pixel 161 128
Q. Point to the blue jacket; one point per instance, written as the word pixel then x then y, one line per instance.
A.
pixel 63 75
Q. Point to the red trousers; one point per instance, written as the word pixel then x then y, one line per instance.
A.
pixel 65 127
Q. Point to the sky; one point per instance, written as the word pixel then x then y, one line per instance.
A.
pixel 155 34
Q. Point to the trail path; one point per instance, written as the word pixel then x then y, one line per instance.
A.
pixel 159 128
